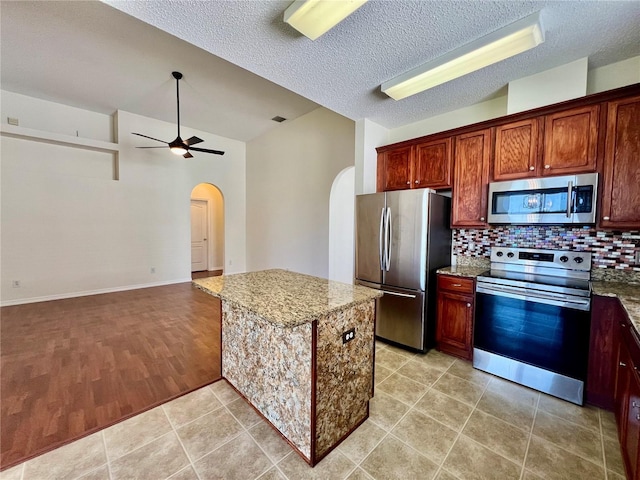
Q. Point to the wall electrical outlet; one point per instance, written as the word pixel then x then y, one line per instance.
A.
pixel 13 121
pixel 15 283
pixel 348 335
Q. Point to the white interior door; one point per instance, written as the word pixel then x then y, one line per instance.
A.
pixel 199 223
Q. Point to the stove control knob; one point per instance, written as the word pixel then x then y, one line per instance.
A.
pixel 510 254
pixel 499 254
pixel 564 259
pixel 578 259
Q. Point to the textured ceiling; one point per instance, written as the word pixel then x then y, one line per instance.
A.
pixel 342 70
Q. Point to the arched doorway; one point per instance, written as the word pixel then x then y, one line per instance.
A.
pixel 207 231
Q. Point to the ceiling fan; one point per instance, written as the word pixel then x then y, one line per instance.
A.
pixel 179 146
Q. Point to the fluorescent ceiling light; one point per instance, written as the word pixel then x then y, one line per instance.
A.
pixel 312 18
pixel 499 45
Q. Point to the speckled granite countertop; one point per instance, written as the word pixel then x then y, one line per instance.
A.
pixel 284 298
pixel 627 293
pixel 462 271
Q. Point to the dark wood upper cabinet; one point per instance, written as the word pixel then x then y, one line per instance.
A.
pixel 571 141
pixel 396 169
pixel 432 166
pixel 620 206
pixel 516 150
pixel 472 153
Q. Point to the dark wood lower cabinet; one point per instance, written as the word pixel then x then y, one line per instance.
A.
pixel 615 362
pixel 454 319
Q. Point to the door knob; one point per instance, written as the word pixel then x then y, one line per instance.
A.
pixel 532 168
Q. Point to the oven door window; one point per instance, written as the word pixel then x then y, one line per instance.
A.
pixel 546 336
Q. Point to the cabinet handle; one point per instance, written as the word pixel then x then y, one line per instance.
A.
pixel 605 218
pixel 622 364
pixel 634 404
pixel 456 284
pixel 468 305
pixel 482 219
pixel 638 416
pixel 408 183
pixel 547 167
pixel 417 181
pixel 532 168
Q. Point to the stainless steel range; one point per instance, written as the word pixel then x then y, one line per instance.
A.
pixel 533 319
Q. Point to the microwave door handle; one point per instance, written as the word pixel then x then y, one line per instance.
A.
pixel 569 199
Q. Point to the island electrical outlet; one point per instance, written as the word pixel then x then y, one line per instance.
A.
pixel 348 335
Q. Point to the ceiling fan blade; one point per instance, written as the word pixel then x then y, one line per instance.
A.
pixel 216 152
pixel 193 140
pixel 153 147
pixel 147 136
pixel 187 155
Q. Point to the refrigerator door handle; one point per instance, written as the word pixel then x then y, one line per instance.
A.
pixel 388 237
pixel 380 240
pixel 397 294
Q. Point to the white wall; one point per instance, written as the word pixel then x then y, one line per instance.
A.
pixel 215 235
pixel 290 171
pixel 620 74
pixel 342 227
pixel 369 135
pixel 69 229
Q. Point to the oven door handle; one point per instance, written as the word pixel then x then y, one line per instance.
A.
pixel 546 298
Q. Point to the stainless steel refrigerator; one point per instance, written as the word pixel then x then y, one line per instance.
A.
pixel 402 238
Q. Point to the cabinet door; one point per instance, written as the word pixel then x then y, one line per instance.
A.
pixel 571 141
pixel 516 151
pixel 472 152
pixel 632 433
pixel 397 169
pixel 433 164
pixel 621 182
pixel 455 324
pixel 603 350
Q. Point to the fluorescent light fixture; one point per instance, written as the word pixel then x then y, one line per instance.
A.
pixel 499 45
pixel 312 18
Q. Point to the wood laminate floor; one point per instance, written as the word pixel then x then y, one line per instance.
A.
pixel 72 367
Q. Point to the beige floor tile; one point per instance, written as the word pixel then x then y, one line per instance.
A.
pixel 126 436
pixel 508 409
pixel 359 474
pixel 380 345
pixel 244 413
pixel 571 437
pixel 444 475
pixel 69 461
pixel 187 473
pixel 402 388
pixel 465 370
pixel 469 460
pixel 13 473
pixel 615 476
pixel 360 443
pixel 191 406
pixel 586 416
pixel 551 462
pixel 429 437
pixel 444 408
pixel 392 459
pixel 459 389
pixel 156 460
pixel 100 473
pixel 208 433
pixel 224 391
pixel 391 360
pixel 272 474
pixel 497 435
pixel 420 372
pixel 385 411
pixel 516 392
pixel 270 441
pixel 333 466
pixel 608 424
pixel 613 455
pixel 527 475
pixel 401 351
pixel 381 373
pixel 435 359
pixel 238 459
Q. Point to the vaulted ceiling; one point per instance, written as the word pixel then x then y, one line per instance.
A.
pixel 243 65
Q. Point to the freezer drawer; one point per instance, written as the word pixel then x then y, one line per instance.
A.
pixel 400 317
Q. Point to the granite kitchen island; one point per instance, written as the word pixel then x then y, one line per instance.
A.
pixel 287 347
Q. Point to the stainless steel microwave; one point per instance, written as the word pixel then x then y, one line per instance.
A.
pixel 549 200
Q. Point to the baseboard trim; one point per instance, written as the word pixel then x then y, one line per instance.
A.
pixel 86 293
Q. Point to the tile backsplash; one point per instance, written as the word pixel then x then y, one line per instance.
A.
pixel 611 249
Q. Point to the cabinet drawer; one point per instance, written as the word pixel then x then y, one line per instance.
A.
pixel 455 284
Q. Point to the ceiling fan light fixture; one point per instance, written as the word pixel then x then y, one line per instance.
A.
pixel 313 18
pixel 177 147
pixel 504 43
